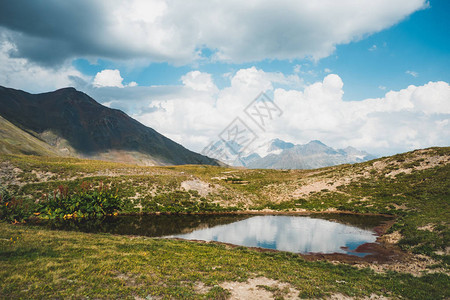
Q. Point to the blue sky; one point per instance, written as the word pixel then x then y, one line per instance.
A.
pixel 188 68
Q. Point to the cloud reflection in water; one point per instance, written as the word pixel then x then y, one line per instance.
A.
pixel 287 233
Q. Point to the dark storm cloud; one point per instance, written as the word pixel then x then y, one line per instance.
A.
pixel 49 31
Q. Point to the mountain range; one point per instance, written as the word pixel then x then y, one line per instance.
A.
pixel 278 154
pixel 68 122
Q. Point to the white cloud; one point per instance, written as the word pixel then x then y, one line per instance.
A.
pixel 400 121
pixel 199 81
pixel 412 73
pixel 108 78
pixel 414 117
pixel 373 48
pixel 20 73
pixel 382 87
pixel 176 30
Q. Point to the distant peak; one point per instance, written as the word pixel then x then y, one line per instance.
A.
pixel 276 140
pixel 280 144
pixel 316 142
pixel 350 148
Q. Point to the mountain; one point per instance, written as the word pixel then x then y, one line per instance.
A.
pixel 312 155
pixel 74 124
pixel 278 154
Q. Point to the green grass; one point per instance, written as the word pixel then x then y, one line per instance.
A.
pixel 418 199
pixel 57 264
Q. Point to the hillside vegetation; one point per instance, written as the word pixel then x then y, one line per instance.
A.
pixel 15 140
pixel 414 187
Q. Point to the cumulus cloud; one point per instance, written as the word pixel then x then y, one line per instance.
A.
pixel 175 31
pixel 110 78
pixel 199 81
pixel 402 120
pixel 411 118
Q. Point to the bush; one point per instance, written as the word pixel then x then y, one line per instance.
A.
pixel 86 202
pixel 14 209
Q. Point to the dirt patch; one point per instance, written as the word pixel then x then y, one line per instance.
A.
pixel 201 288
pixel 391 238
pixel 9 174
pixel 420 162
pixel 127 279
pixel 445 252
pixel 428 227
pixel 317 186
pixel 202 187
pixel 416 265
pixel 260 288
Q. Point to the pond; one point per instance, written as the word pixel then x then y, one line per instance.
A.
pixel 325 233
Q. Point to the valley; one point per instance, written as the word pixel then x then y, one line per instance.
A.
pixel 413 187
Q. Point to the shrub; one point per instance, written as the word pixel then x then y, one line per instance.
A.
pixel 14 209
pixel 86 202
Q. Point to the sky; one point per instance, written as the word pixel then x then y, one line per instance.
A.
pixel 369 74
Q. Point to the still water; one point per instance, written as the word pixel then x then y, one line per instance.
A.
pixel 288 233
pixel 300 234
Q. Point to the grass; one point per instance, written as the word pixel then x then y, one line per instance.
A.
pixel 60 264
pixel 415 187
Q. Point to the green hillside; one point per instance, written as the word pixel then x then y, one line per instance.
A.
pixel 413 187
pixel 14 140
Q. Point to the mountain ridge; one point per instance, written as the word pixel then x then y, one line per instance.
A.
pixel 83 127
pixel 311 155
pixel 279 154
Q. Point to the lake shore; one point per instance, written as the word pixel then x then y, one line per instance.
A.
pixel 66 264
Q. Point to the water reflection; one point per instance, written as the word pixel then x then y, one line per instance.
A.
pixel 288 233
pixel 144 225
pixel 317 233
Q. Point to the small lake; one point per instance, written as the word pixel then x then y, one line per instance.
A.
pixel 296 234
pixel 325 233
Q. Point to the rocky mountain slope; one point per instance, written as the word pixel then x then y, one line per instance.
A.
pixel 74 124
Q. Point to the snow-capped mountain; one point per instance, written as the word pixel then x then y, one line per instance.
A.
pixel 278 154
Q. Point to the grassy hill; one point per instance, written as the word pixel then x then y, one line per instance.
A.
pixel 414 187
pixel 14 140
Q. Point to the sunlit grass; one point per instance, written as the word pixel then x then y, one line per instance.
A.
pixel 49 264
